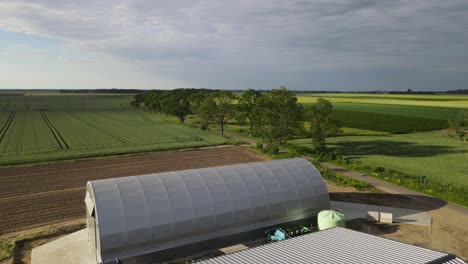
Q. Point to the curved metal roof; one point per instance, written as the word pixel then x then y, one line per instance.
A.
pixel 142 214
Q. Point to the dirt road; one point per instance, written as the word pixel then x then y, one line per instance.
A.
pixel 45 194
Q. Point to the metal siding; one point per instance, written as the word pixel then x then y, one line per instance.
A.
pixel 336 245
pixel 140 214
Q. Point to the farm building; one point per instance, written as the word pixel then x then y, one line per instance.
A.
pixel 336 245
pixel 146 218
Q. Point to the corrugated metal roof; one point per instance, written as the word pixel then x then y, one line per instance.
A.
pixel 336 245
pixel 143 214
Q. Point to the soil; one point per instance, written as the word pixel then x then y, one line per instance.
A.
pixel 52 193
pixel 410 234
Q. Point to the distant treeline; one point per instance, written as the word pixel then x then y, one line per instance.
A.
pixel 460 91
pixel 134 91
pixel 111 91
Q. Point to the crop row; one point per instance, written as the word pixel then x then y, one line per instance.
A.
pixel 62 143
pixel 6 126
pixel 34 136
pixel 25 133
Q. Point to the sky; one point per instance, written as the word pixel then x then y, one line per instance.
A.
pixel 335 45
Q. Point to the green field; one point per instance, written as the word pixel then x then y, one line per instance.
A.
pixel 431 154
pixel 393 113
pixel 50 127
pixel 400 110
pixel 388 123
pixel 444 101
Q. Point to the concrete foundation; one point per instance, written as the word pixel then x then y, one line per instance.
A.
pixel 70 249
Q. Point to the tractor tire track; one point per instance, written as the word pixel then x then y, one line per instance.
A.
pixel 58 137
pixel 114 135
pixel 6 126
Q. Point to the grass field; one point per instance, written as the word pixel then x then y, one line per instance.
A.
pixel 388 123
pixel 431 154
pixel 393 113
pixel 50 127
pixel 400 110
pixel 444 101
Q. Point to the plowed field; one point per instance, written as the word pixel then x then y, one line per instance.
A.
pixel 45 194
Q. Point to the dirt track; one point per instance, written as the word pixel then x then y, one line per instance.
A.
pixel 45 194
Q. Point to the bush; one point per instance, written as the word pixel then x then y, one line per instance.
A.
pixel 343 180
pixel 273 149
pixel 298 150
pixel 379 169
pixel 259 145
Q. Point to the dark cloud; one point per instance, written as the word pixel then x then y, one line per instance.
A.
pixel 317 44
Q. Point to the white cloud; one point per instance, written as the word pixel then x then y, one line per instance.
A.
pixel 262 43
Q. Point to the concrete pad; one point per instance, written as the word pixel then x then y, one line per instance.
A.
pixel 71 249
pixel 400 215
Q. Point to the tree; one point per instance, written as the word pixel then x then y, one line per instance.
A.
pixel 458 129
pixel 153 100
pixel 176 103
pixel 138 99
pixel 197 97
pixel 277 116
pixel 247 103
pixel 206 110
pixel 225 109
pixel 322 124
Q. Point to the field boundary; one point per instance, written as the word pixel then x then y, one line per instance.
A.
pixel 6 126
pixel 58 137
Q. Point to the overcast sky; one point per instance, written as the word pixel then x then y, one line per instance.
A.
pixel 304 45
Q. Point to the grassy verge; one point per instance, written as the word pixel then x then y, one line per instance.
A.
pixel 342 180
pixel 435 187
pixel 6 250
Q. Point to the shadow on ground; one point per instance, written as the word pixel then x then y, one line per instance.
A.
pixel 373 228
pixel 391 148
pixel 392 200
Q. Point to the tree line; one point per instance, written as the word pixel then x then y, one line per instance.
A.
pixel 275 115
